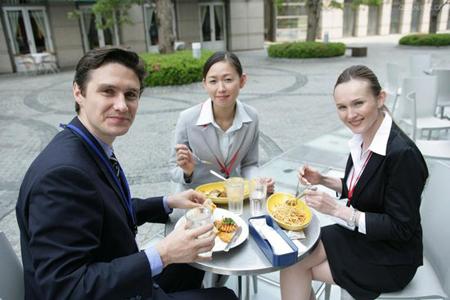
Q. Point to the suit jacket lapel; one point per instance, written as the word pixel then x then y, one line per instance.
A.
pixel 237 141
pixel 210 138
pixel 367 174
pixel 373 164
pixel 76 122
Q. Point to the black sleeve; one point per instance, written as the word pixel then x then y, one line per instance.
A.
pixel 406 175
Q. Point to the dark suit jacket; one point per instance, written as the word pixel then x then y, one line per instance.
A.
pixel 76 238
pixel 389 192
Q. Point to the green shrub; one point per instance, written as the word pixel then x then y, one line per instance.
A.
pixel 432 39
pixel 173 69
pixel 306 50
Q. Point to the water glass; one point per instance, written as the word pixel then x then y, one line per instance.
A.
pixel 199 216
pixel 235 194
pixel 258 193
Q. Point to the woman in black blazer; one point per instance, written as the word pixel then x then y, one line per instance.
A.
pixel 378 245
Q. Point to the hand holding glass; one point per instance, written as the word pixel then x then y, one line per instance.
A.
pixel 199 216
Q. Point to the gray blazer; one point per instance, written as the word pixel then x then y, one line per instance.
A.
pixel 203 141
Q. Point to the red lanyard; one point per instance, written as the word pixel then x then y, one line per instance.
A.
pixel 352 185
pixel 227 169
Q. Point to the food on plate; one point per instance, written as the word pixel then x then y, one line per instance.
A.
pixel 209 204
pixel 225 228
pixel 289 214
pixel 216 193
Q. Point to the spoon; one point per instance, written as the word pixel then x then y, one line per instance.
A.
pixel 217 175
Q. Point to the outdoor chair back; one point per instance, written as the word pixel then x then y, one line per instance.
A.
pixel 419 64
pixel 11 272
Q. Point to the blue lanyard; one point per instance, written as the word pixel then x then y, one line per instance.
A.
pixel 106 162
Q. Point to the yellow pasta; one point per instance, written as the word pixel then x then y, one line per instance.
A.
pixel 288 214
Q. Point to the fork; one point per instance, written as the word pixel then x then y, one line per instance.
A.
pixel 200 160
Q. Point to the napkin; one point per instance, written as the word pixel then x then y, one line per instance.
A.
pixel 278 244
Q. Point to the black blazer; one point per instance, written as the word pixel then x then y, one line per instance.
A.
pixel 76 238
pixel 389 192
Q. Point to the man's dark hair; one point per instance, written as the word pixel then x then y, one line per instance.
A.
pixel 96 58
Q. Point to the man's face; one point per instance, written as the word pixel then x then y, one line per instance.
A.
pixel 110 101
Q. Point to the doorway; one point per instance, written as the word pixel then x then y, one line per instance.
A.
pixel 212 25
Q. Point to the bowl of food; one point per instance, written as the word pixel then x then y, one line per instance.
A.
pixel 217 193
pixel 290 213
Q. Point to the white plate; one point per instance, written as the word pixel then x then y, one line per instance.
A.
pixel 219 213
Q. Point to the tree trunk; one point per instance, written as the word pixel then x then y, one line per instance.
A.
pixel 164 22
pixel 270 18
pixel 314 8
pixel 436 7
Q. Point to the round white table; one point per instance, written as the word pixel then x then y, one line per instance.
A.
pixel 248 258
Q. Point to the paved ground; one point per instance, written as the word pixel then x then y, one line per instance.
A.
pixel 293 98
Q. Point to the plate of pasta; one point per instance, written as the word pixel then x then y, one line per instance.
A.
pixel 290 213
pixel 225 224
pixel 217 193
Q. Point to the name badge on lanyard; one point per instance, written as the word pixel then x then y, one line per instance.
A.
pixel 124 189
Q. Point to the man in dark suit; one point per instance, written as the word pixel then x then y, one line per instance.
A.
pixel 77 220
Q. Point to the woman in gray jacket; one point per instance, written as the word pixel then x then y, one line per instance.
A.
pixel 219 134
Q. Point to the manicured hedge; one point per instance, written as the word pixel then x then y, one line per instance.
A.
pixel 173 69
pixel 306 50
pixel 436 39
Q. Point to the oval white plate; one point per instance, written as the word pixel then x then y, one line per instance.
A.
pixel 219 213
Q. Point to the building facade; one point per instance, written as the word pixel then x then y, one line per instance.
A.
pixel 28 28
pixel 391 17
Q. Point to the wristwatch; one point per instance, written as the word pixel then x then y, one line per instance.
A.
pixel 352 221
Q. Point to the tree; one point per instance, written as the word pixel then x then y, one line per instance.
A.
pixel 436 7
pixel 165 28
pixel 314 8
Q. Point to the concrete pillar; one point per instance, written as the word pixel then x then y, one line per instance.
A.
pixel 332 22
pixel 362 19
pixel 246 24
pixel 66 34
pixel 406 13
pixel 133 35
pixel 385 21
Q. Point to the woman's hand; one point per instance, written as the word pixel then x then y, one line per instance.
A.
pixel 270 185
pixel 321 202
pixel 308 175
pixel 185 159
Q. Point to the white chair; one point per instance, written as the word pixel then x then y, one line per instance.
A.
pixel 434 275
pixel 419 64
pixel 425 89
pixel 11 272
pixel 438 149
pixel 49 63
pixel 393 84
pixel 443 86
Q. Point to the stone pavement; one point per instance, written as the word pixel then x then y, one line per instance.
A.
pixel 293 98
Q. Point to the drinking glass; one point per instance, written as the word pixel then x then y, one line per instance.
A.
pixel 258 192
pixel 199 216
pixel 235 194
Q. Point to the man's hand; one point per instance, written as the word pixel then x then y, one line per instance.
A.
pixel 184 245
pixel 186 199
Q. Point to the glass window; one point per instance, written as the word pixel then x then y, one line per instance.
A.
pixel 206 23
